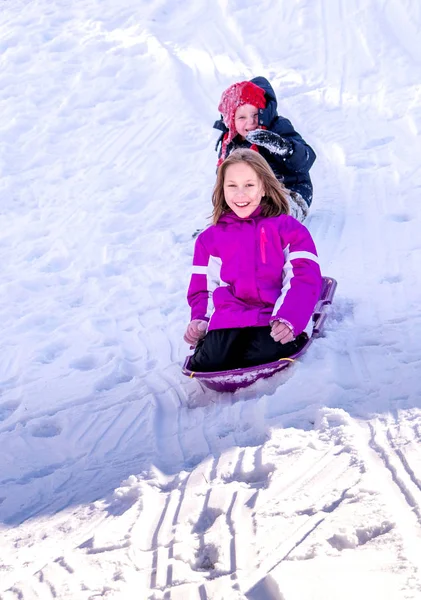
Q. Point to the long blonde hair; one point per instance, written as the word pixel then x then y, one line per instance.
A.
pixel 274 202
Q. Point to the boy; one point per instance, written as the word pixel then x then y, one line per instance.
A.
pixel 250 120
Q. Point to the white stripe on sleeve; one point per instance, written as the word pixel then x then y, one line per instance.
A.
pixel 304 254
pixel 198 270
pixel 214 281
pixel 287 275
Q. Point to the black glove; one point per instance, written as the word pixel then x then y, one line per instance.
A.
pixel 271 141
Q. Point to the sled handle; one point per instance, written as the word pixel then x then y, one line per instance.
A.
pixel 319 324
pixel 329 291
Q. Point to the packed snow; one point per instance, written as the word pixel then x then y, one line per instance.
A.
pixel 119 477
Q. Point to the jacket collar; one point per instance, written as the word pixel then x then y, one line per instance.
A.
pixel 229 217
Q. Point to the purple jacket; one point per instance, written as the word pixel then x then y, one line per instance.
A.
pixel 249 272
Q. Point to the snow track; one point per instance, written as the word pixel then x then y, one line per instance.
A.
pixel 233 524
pixel 403 464
pixel 119 477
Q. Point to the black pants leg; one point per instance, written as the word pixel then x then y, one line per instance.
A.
pixel 261 348
pixel 226 349
pixel 219 350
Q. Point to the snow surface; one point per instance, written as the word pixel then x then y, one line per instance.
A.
pixel 119 477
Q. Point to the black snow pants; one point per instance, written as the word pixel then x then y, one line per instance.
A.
pixel 226 349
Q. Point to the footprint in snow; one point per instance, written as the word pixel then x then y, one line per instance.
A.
pixel 7 409
pixel 391 279
pixel 206 519
pixel 347 538
pixel 400 217
pixel 51 352
pixel 85 363
pixel 379 142
pixel 47 429
pixel 259 477
pixel 206 558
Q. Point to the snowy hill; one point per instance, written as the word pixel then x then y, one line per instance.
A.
pixel 119 477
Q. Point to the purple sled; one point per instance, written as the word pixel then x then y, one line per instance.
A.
pixel 229 381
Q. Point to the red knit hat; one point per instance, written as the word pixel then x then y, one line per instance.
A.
pixel 235 96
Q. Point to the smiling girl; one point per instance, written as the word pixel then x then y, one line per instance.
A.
pixel 256 277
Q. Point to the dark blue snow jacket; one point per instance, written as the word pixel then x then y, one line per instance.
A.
pixel 292 170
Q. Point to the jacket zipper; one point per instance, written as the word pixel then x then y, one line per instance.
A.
pixel 263 240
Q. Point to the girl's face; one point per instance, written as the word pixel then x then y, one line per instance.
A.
pixel 243 189
pixel 246 119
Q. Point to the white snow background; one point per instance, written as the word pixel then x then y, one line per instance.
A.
pixel 119 477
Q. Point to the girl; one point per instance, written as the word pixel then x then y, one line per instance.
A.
pixel 256 277
pixel 250 120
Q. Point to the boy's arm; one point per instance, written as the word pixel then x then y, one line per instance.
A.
pixel 302 157
pixel 285 145
pixel 301 277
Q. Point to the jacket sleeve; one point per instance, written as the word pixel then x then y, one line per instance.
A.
pixel 198 294
pixel 219 124
pixel 301 277
pixel 303 156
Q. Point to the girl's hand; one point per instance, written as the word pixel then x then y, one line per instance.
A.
pixel 196 329
pixel 281 332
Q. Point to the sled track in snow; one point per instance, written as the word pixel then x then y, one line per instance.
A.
pixel 385 442
pixel 223 524
pixel 205 532
pixel 394 463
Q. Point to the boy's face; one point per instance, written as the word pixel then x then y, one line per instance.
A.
pixel 243 189
pixel 246 119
